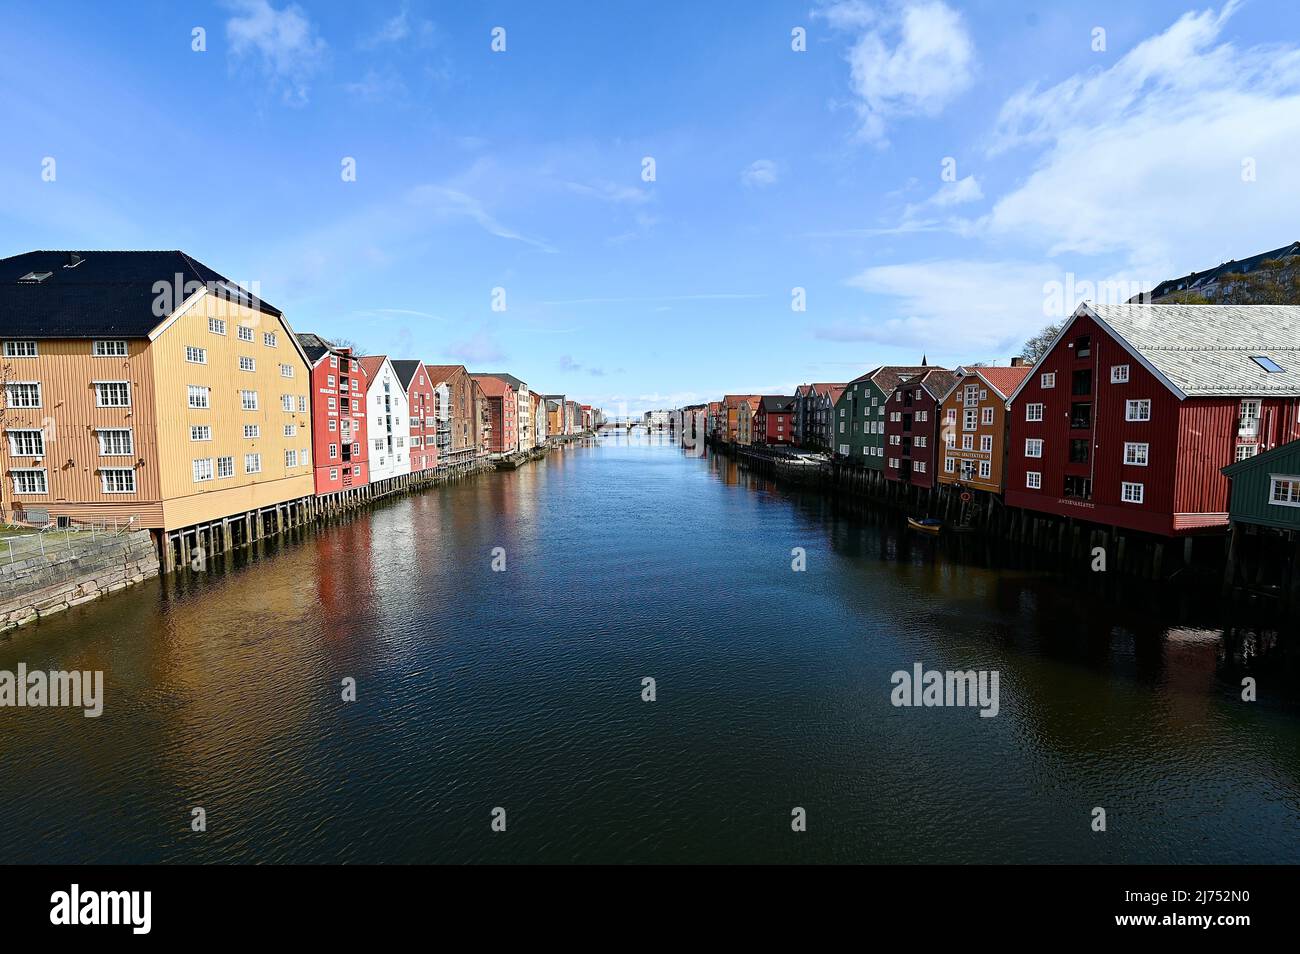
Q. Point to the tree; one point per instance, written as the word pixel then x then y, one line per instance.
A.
pixel 1037 345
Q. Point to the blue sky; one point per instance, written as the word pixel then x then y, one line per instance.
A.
pixel 1169 150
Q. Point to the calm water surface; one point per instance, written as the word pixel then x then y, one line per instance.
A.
pixel 625 559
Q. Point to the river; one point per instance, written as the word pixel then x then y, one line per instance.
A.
pixel 521 689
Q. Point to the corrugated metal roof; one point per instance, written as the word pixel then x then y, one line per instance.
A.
pixel 1207 350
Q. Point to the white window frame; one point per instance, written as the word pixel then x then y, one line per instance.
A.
pixel 252 463
pixel 1134 407
pixel 99 394
pixel 202 469
pixel 247 363
pixel 104 448
pixel 16 472
pixel 26 432
pixel 269 339
pixel 196 355
pixel 1034 412
pixel 217 326
pixel 100 348
pixel 1033 480
pixel 1047 380
pixel 1034 447
pixel 244 402
pixel 1293 490
pixel 200 432
pixel 9 394
pixel 1119 373
pixel 104 476
pixel 252 431
pixel 1136 453
pixel 244 333
pixel 1132 492
pixel 22 348
pixel 200 391
pixel 230 463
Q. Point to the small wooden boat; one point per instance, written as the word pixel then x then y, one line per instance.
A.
pixel 927 525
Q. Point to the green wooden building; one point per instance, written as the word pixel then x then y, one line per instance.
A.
pixel 1266 488
pixel 859 427
pixel 1264 510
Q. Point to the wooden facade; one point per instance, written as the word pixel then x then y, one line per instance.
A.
pixel 912 427
pixel 973 422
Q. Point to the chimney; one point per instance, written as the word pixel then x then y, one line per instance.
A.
pixel 1017 362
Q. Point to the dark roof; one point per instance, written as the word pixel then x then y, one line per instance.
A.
pixel 773 403
pixel 887 377
pixel 514 381
pixel 405 369
pixel 1211 275
pixel 1264 459
pixel 314 346
pixel 104 294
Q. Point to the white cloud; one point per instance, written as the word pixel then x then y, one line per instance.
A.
pixel 956 193
pixel 283 43
pixel 912 59
pixel 478 349
pixel 987 308
pixel 1143 161
pixel 759 174
pixel 609 191
pixel 447 202
pixel 399 28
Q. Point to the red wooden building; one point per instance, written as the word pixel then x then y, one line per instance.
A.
pixel 338 416
pixel 912 427
pixel 420 406
pixel 774 420
pixel 1130 415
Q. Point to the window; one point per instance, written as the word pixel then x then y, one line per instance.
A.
pixel 333 425
pixel 1079 450
pixel 199 396
pixel 245 333
pixel 1267 363
pixel 1048 380
pixel 1033 412
pixel 1033 480
pixel 969 419
pixel 986 443
pixel 286 370
pixel 1139 410
pixel 112 394
pixel 117 480
pixel 246 363
pixel 23 393
pixel 268 338
pixel 986 470
pixel 288 407
pixel 920 466
pixel 225 467
pixel 950 415
pixel 1247 451
pixel 1248 424
pixel 291 458
pixel 949 464
pixel 971 394
pixel 1083 346
pixel 248 400
pixel 968 442
pixel 217 326
pixel 200 432
pixel 1284 492
pixel 986 415
pixel 1132 493
pixel 949 439
pixel 334 361
pixel 30 481
pixel 1033 447
pixel 356 470
pixel 1119 374
pixel 379 443
pixel 109 349
pixel 334 451
pixel 252 463
pixel 20 349
pixel 1135 455
pixel 302 404
pixel 202 469
pixel 918 442
pixel 27 443
pixel 196 355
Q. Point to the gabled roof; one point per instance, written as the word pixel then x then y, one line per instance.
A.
pixel 492 385
pixel 887 376
pixel 1211 275
pixel 1204 350
pixel 1002 380
pixel 314 346
pixel 442 373
pixel 513 381
pixel 371 363
pixel 101 294
pixel 937 381
pixel 405 369
pixel 777 404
